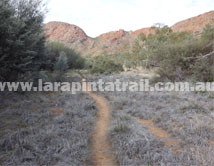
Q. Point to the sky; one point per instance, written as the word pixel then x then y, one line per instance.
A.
pixel 100 16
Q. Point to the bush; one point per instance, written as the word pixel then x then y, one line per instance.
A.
pixel 174 59
pixel 104 65
pixel 61 65
pixel 74 60
pixel 179 55
pixel 22 41
pixel 204 69
pixel 208 33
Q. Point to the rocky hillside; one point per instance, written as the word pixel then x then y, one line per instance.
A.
pixel 194 24
pixel 64 32
pixel 69 34
pixel 116 41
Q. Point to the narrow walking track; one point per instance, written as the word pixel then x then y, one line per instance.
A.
pixel 162 135
pixel 102 155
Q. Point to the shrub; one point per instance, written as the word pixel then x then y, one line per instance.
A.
pixel 208 33
pixel 104 65
pixel 204 69
pixel 22 41
pixel 62 63
pixel 179 55
pixel 74 60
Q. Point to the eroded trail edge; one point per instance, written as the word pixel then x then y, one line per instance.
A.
pixel 102 155
pixel 166 138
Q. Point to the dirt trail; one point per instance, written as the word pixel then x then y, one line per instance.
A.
pixel 102 155
pixel 161 134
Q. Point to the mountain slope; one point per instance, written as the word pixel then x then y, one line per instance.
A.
pixel 194 24
pixel 114 42
pixel 71 35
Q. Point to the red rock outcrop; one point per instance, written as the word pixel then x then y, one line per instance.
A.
pixel 114 35
pixel 194 24
pixel 63 32
pixel 116 41
pixel 146 31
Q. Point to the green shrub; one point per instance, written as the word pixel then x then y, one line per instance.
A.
pixel 208 33
pixel 22 41
pixel 178 55
pixel 61 65
pixel 203 70
pixel 104 65
pixel 74 59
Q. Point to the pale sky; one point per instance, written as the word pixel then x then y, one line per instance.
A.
pixel 100 16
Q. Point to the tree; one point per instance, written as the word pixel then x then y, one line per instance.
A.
pixel 75 61
pixel 208 33
pixel 22 41
pixel 158 25
pixel 62 63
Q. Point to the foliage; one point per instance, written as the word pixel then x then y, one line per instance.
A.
pixel 179 55
pixel 22 41
pixel 62 63
pixel 36 139
pixel 74 60
pixel 105 65
pixel 208 33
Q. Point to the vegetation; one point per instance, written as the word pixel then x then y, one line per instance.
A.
pixel 62 63
pixel 35 132
pixel 105 65
pixel 177 114
pixel 179 55
pixel 55 50
pixel 57 128
pixel 22 41
pixel 23 49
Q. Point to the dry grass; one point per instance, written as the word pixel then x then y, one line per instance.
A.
pixel 183 119
pixel 46 129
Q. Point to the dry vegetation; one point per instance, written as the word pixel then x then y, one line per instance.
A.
pixel 146 128
pixel 177 128
pixel 46 129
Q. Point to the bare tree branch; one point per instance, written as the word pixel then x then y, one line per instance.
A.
pixel 200 57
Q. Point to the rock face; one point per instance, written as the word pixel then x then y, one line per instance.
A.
pixel 76 38
pixel 114 35
pixel 64 32
pixel 71 35
pixel 146 31
pixel 114 42
pixel 194 24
